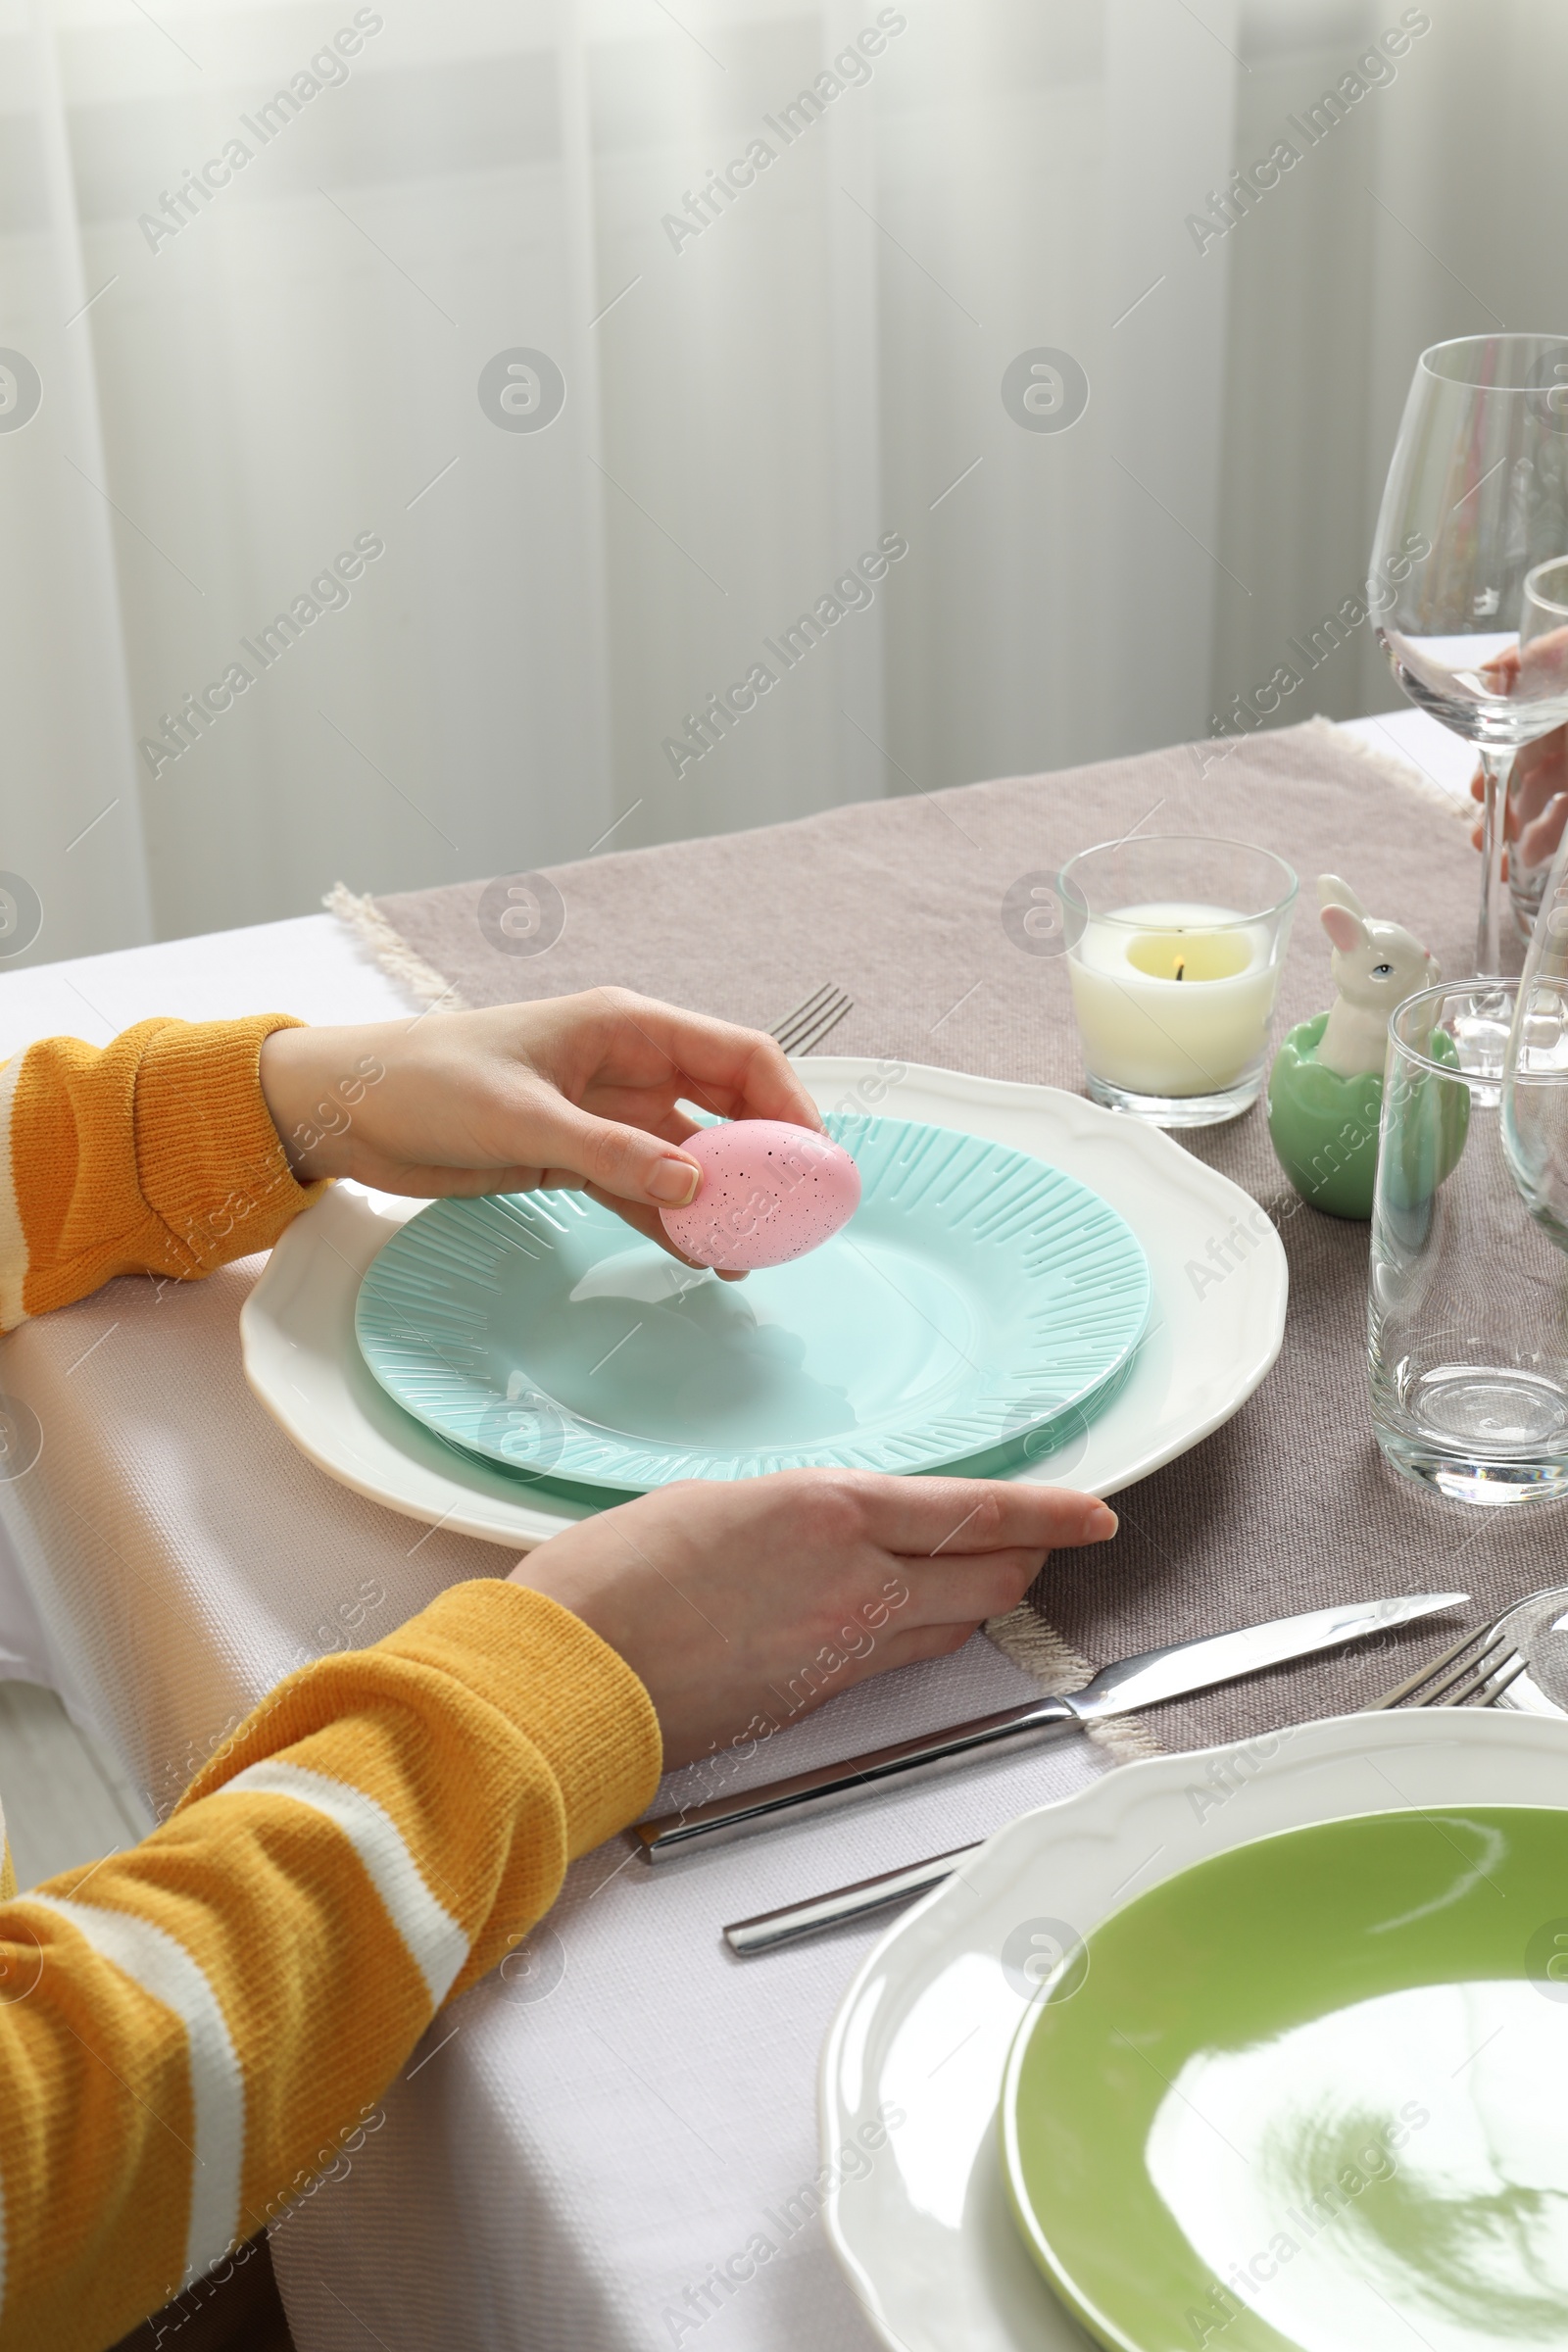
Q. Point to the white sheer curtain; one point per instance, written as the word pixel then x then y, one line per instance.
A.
pixel 764 377
pixel 66 744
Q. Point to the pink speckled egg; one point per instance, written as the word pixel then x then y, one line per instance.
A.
pixel 769 1193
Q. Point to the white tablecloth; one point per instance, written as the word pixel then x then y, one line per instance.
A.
pixel 572 2151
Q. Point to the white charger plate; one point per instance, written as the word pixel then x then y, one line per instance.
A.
pixel 922 2225
pixel 1208 1342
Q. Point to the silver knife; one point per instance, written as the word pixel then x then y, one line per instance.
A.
pixel 1133 1683
pixel 1143 1681
pixel 770 1928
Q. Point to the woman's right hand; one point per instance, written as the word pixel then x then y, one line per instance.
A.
pixel 742 1607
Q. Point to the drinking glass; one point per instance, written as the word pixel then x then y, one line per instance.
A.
pixel 1476 499
pixel 1535 1085
pixel 1467 1323
pixel 1544 656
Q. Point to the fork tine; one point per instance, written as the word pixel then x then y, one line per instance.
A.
pixel 806 1027
pixel 829 1020
pixel 1424 1674
pixel 1491 1685
pixel 807 1006
pixel 1456 1689
pixel 1460 1687
pixel 832 1008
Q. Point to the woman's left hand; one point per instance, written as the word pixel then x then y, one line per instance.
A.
pixel 577 1092
pixel 1537 807
pixel 1536 810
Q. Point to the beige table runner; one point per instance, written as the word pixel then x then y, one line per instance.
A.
pixel 901 902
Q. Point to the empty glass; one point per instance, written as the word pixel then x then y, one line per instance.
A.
pixel 1468 1305
pixel 1534 1091
pixel 1540 673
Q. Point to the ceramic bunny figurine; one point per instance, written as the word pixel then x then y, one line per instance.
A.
pixel 1374 966
pixel 1325 1090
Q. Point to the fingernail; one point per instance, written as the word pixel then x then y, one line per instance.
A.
pixel 675 1182
pixel 1100 1522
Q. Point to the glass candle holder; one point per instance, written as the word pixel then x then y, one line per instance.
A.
pixel 1174 949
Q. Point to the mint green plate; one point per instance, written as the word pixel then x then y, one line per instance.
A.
pixel 975 1295
pixel 1312 2096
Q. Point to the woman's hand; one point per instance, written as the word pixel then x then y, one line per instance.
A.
pixel 1536 808
pixel 577 1091
pixel 741 1607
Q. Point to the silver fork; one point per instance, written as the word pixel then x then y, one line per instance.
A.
pixel 1475 1673
pixel 803 1030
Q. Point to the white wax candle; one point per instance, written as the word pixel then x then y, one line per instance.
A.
pixel 1168 1003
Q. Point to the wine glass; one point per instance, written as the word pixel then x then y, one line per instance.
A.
pixel 1477 499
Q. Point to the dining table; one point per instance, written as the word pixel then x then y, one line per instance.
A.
pixel 581 2150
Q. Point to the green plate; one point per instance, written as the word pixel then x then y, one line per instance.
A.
pixel 977 1296
pixel 1312 2096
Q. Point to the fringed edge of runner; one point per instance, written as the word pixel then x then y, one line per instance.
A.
pixel 1394 765
pixel 392 952
pixel 1025 1637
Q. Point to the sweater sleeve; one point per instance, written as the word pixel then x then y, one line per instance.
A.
pixel 193 2030
pixel 153 1154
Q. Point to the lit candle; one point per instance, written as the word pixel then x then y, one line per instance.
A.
pixel 1173 998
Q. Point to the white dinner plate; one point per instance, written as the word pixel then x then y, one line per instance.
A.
pixel 912 2069
pixel 1208 1344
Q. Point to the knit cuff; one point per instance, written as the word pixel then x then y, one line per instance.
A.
pixel 565 1689
pixel 210 1162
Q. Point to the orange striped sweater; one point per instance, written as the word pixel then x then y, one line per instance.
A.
pixel 189 2029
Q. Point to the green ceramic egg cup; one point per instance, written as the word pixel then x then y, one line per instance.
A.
pixel 1325 1128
